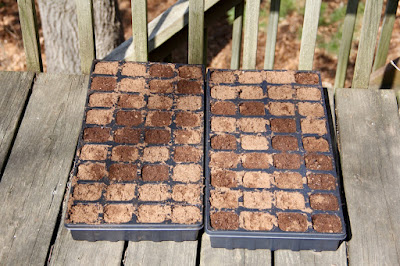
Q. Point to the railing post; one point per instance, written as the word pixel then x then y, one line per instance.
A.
pixel 251 34
pixel 237 36
pixel 30 35
pixel 345 44
pixel 366 47
pixel 196 32
pixel 271 34
pixel 87 46
pixel 139 31
pixel 309 35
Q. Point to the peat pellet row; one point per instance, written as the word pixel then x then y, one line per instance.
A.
pixel 264 221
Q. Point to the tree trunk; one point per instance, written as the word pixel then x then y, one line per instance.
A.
pixel 60 32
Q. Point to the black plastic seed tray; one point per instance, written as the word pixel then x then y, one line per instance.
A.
pixel 138 171
pixel 271 178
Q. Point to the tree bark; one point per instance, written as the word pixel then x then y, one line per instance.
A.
pixel 60 32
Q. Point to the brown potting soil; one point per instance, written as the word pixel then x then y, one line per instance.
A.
pixel 326 223
pixel 187 173
pixel 102 99
pixel 223 108
pixel 124 154
pixel 281 109
pixel 283 125
pixel 257 180
pixel 224 220
pixel 88 192
pixel 103 84
pixel 96 134
pixel 321 181
pixel 159 119
pixel 129 118
pixel 120 192
pixel 131 101
pixel 155 173
pixel 287 161
pixel 312 144
pixel 224 178
pixel 85 213
pixel 187 154
pixel 257 199
pixel 161 71
pixel 118 213
pixel 92 171
pixel 190 72
pixel 123 172
pixel 292 222
pixel 285 143
pixel 281 92
pixel 324 202
pixel 256 160
pixel 134 69
pixel 187 137
pixel 157 136
pixel 288 180
pixel 189 87
pixel 289 200
pixel 99 117
pixel 307 78
pixel 224 198
pixel 127 135
pixel 252 108
pixel 107 68
pixel 257 221
pixel 187 193
pixel 252 142
pixel 223 142
pixel 154 192
pixel 186 215
pixel 318 162
pixel 187 119
pixel 161 86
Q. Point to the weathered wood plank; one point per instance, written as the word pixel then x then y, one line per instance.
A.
pixel 139 31
pixel 87 48
pixel 271 34
pixel 250 34
pixel 167 25
pixel 386 34
pixel 222 256
pixel 67 251
pixel 287 257
pixel 366 47
pixel 161 253
pixel 369 127
pixel 309 35
pixel 34 179
pixel 237 36
pixel 14 90
pixel 196 32
pixel 345 44
pixel 30 35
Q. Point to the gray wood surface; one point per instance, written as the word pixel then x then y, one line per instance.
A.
pixel 139 31
pixel 14 89
pixel 309 34
pixel 369 127
pixel 345 44
pixel 250 34
pixel 30 35
pixel 366 47
pixel 220 256
pixel 292 258
pixel 87 48
pixel 237 36
pixel 271 34
pixel 34 179
pixel 386 34
pixel 196 32
pixel 167 253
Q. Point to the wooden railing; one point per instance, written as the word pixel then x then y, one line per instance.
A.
pixel 195 15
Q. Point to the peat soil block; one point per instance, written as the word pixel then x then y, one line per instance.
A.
pixel 138 171
pixel 271 179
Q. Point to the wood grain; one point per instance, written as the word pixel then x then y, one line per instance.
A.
pixel 35 177
pixel 222 256
pixel 309 35
pixel 87 48
pixel 14 90
pixel 366 47
pixel 139 31
pixel 369 127
pixel 167 253
pixel 250 34
pixel 345 44
pixel 30 35
pixel 237 36
pixel 272 31
pixel 196 32
pixel 386 34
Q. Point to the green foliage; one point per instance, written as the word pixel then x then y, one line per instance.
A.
pixel 287 7
pixel 231 15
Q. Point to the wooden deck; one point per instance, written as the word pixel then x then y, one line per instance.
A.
pixel 40 119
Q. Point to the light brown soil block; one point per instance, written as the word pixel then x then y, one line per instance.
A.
pixel 118 213
pixel 223 124
pixel 187 137
pixel 159 102
pixel 106 68
pixel 88 192
pixel 289 200
pixel 190 103
pixel 313 126
pixel 102 99
pixel 92 171
pixel 224 92
pixel 308 93
pixel 120 192
pixel 311 144
pixel 223 142
pixel 187 193
pixel 155 173
pixel 187 154
pixel 281 77
pixel 257 221
pixel 252 142
pixel 292 222
pixel 155 154
pixel 318 162
pixel 257 200
pixel 191 72
pixel 311 109
pixel 85 213
pixel 94 152
pixel 287 161
pixel 185 215
pixel 251 77
pixel 222 77
pixel 288 180
pixel 131 101
pixel 154 192
pixel 252 108
pixel 161 86
pixel 132 85
pixel 251 92
pixel 124 154
pixel 127 136
pixel 326 223
pixel 159 119
pixel 324 202
pixel 281 92
pixel 153 213
pixel 256 160
pixel 281 109
pixel 252 125
pixel 307 78
pixel 134 69
pixel 223 108
pixel 99 117
pixel 224 221
pixel 321 181
pixel 224 198
pixel 123 172
pixel 257 180
pixel 187 173
pixel 283 125
pixel 285 143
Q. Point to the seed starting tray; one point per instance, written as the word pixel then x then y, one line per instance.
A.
pixel 138 170
pixel 271 179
